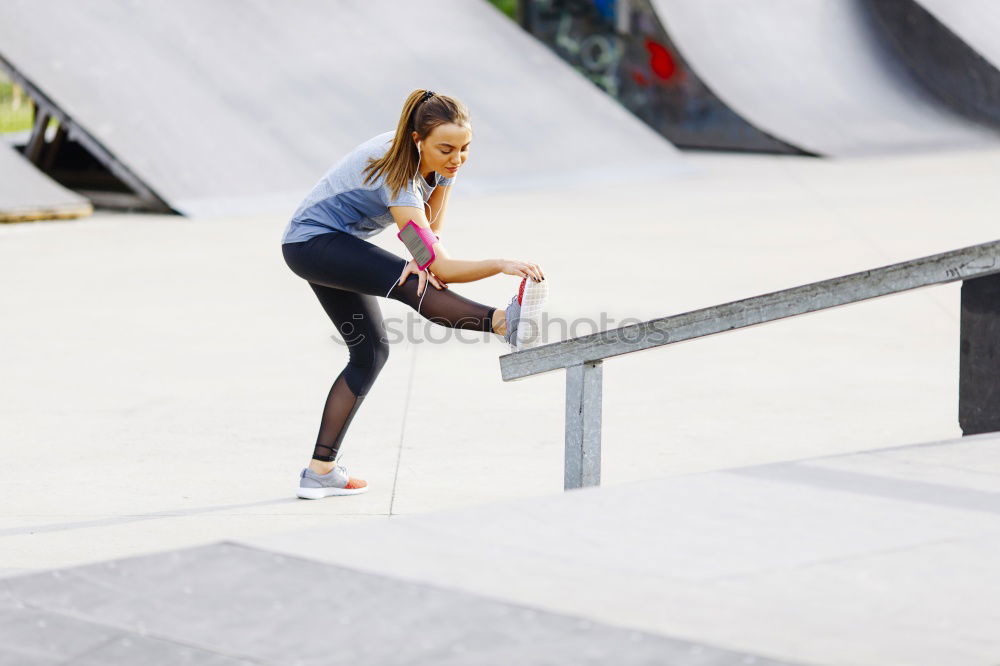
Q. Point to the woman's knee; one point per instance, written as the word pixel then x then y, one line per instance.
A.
pixel 380 354
pixel 372 353
pixel 361 373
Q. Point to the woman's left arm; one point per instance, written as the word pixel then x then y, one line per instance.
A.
pixel 438 203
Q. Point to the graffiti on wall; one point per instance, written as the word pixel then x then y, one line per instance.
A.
pixel 621 46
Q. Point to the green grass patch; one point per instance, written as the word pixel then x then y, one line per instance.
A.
pixel 508 7
pixel 16 111
pixel 14 116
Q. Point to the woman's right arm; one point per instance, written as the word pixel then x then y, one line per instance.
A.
pixel 460 270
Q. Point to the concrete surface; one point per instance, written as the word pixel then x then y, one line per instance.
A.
pixel 885 557
pixel 163 377
pixel 168 608
pixel 878 559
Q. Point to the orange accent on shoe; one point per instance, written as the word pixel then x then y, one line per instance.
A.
pixel 353 484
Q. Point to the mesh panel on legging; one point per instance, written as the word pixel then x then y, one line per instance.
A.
pixel 341 406
pixel 443 306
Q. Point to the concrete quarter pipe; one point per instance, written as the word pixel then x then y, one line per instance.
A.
pixel 231 107
pixel 810 72
pixel 952 49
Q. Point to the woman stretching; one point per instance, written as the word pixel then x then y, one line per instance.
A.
pixel 390 178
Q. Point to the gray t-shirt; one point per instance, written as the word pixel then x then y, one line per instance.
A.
pixel 342 201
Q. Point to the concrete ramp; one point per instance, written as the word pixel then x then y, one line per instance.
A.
pixel 812 73
pixel 977 22
pixel 28 194
pixel 951 47
pixel 228 107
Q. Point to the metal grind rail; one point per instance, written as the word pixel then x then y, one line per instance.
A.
pixel 978 266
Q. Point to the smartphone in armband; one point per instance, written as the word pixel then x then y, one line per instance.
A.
pixel 419 241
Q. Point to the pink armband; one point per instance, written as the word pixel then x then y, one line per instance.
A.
pixel 420 241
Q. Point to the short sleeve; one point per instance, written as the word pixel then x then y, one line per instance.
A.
pixel 444 182
pixel 405 197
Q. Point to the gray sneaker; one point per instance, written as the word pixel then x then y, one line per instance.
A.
pixel 524 314
pixel 336 482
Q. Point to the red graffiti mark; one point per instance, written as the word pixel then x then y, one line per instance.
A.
pixel 661 61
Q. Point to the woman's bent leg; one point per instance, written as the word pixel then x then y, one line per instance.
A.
pixel 359 321
pixel 344 261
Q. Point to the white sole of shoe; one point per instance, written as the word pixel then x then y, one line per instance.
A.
pixel 529 326
pixel 320 493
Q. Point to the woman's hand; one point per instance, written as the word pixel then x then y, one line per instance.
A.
pixel 522 269
pixel 423 276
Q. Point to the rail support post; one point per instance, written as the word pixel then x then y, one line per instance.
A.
pixel 979 356
pixel 583 425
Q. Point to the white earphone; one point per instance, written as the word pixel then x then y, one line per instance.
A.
pixel 417 191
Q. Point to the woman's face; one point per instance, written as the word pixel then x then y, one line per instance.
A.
pixel 445 149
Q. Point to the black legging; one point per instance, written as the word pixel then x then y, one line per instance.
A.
pixel 347 273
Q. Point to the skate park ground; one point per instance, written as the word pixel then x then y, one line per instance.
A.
pixel 165 377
